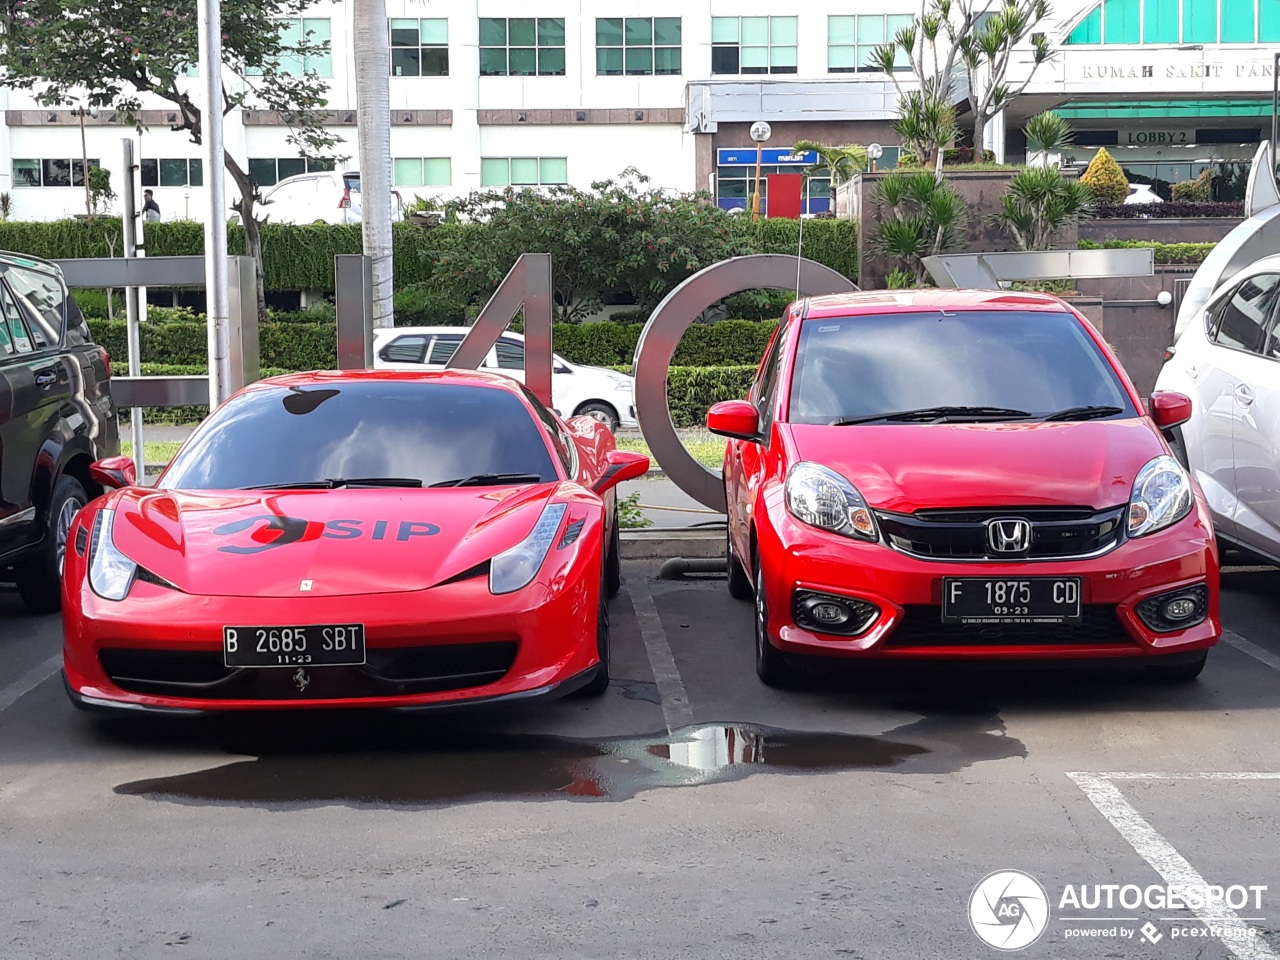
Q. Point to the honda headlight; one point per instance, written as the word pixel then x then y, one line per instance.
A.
pixel 1161 496
pixel 820 497
pixel 516 568
pixel 111 573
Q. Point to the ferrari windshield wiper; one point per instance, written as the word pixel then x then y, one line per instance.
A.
pixel 1085 413
pixel 938 415
pixel 490 479
pixel 333 483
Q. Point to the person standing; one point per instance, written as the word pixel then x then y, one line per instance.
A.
pixel 150 209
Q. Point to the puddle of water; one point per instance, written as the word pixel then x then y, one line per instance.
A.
pixel 460 766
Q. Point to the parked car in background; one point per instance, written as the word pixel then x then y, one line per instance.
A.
pixel 56 418
pixel 355 539
pixel 322 197
pixel 1229 364
pixel 576 390
pixel 945 474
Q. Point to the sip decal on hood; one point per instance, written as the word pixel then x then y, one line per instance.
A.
pixel 270 530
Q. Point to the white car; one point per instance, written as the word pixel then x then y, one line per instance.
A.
pixel 576 390
pixel 322 197
pixel 1229 365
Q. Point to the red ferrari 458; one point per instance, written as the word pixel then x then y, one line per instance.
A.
pixel 367 539
pixel 961 474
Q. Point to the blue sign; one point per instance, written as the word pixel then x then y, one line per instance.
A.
pixel 746 156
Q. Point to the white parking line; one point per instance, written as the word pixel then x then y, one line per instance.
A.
pixel 676 711
pixel 1251 648
pixel 29 681
pixel 1165 860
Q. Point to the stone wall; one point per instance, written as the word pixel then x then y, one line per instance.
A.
pixel 1180 230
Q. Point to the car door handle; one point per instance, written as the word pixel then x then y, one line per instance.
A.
pixel 47 377
pixel 1244 394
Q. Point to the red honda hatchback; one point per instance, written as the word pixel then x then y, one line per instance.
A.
pixel 966 475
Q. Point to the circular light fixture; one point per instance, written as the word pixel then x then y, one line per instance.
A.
pixel 1164 298
pixel 1179 608
pixel 829 613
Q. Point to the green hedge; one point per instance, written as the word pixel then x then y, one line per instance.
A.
pixel 1164 252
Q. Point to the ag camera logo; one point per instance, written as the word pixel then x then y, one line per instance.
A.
pixel 1008 910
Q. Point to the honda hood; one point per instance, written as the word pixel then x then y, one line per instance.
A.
pixel 909 467
pixel 344 542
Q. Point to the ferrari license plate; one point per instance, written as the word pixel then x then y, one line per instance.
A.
pixel 329 644
pixel 1010 600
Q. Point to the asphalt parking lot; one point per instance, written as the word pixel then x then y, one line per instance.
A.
pixel 690 812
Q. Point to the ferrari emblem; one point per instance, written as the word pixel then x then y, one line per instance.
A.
pixel 302 680
pixel 305 586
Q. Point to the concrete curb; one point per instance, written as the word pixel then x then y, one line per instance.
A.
pixel 664 542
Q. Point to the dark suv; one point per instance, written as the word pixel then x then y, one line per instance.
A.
pixel 56 418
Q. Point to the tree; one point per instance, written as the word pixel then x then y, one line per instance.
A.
pixel 986 54
pixel 373 112
pixel 1048 133
pixel 841 162
pixel 1104 178
pixel 923 216
pixel 1039 202
pixel 113 54
pixel 928 125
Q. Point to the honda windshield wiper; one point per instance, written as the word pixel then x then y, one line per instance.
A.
pixel 490 479
pixel 1085 413
pixel 333 483
pixel 938 415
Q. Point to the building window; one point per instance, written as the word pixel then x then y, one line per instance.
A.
pixel 295 31
pixel 851 42
pixel 521 47
pixel 420 48
pixel 637 46
pixel 753 45
pixel 1179 21
pixel 422 172
pixel 268 171
pixel 50 173
pixel 523 171
pixel 173 172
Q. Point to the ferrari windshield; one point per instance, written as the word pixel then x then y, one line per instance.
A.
pixel 369 432
pixel 952 367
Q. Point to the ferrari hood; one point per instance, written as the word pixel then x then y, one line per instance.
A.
pixel 910 467
pixel 320 542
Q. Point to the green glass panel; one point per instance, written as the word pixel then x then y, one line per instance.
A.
pixel 319 65
pixel 609 61
pixel 434 32
pixel 320 164
pixel 866 58
pixel 522 32
pixel 404 33
pixel 1200 21
pixel 640 61
pixel 842 29
pixel 290 166
pixel 493 31
pixel 666 61
pixel 550 61
pixel 494 172
pixel 493 61
pixel 666 31
pixel 522 61
pixel 871 29
pixel 1239 21
pixel 782 30
pixel 524 170
pixel 196 166
pixel 609 31
pixel 724 29
pixel 406 172
pixel 437 172
pixel 1269 22
pixel 554 170
pixel 1089 30
pixel 317 29
pixel 782 56
pixel 173 173
pixel 639 31
pixel 755 30
pixel 1161 22
pixel 262 169
pixel 1120 21
pixel 755 58
pixel 842 59
pixel 404 62
pixel 551 32
pixel 896 22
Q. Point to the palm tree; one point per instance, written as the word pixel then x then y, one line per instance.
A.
pixel 373 113
pixel 1039 202
pixel 1048 133
pixel 841 162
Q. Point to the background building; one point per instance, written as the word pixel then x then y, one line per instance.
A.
pixel 503 92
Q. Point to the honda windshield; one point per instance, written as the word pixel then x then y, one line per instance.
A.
pixel 381 433
pixel 976 366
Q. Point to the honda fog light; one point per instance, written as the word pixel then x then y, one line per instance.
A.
pixel 1175 610
pixel 1161 496
pixel 820 497
pixel 516 568
pixel 828 613
pixel 111 573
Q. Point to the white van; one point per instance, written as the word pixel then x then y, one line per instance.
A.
pixel 576 390
pixel 321 197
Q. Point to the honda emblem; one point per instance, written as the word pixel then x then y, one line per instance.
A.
pixel 1009 535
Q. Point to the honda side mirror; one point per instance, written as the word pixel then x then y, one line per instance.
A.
pixel 1169 409
pixel 734 418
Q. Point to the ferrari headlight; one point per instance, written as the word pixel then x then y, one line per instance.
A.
pixel 820 497
pixel 111 573
pixel 1161 496
pixel 516 568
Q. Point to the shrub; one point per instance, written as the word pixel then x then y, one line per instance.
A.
pixel 1039 202
pixel 1105 179
pixel 952 156
pixel 424 305
pixel 1164 252
pixel 1199 190
pixel 1172 210
pixel 692 390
